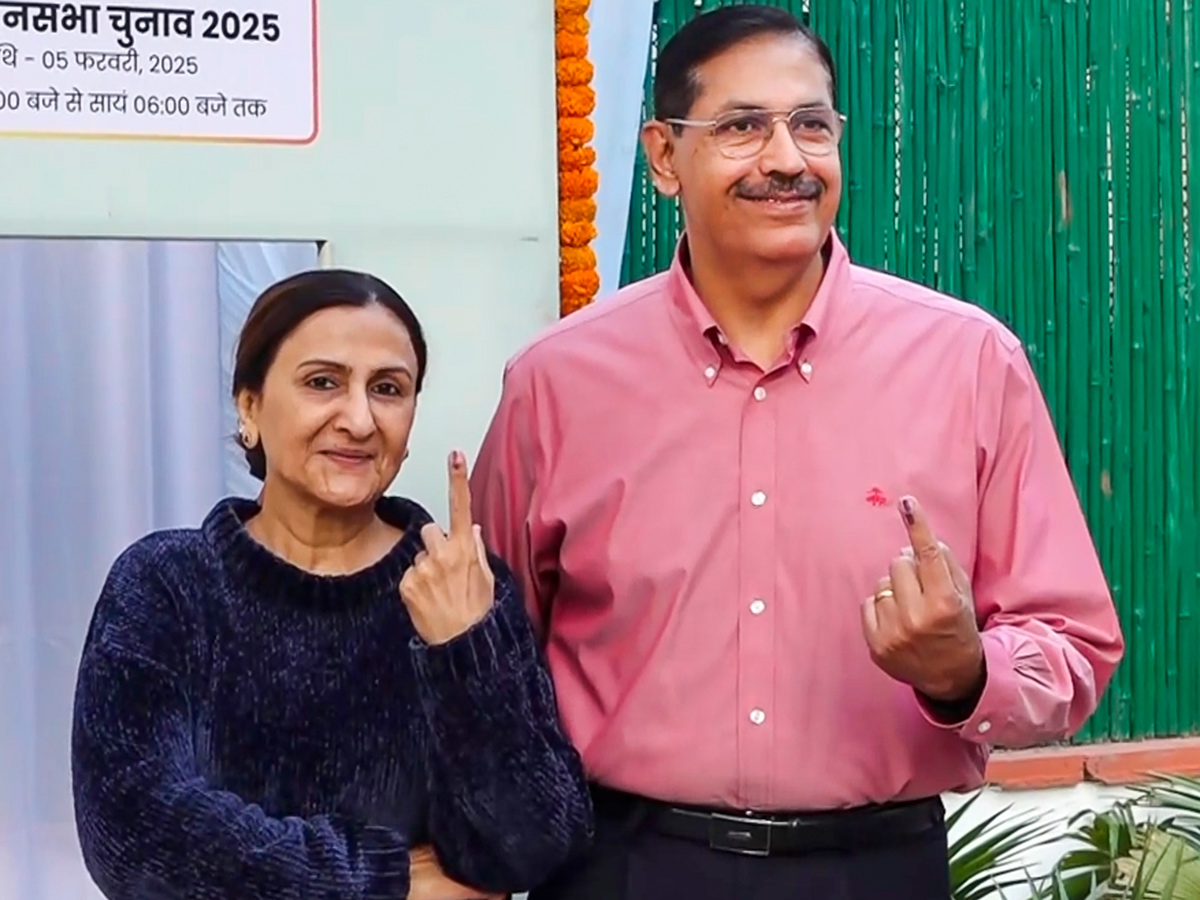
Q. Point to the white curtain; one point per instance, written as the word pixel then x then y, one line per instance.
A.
pixel 619 46
pixel 243 271
pixel 114 421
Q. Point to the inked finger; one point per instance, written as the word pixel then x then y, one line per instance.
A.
pixel 460 496
pixel 932 570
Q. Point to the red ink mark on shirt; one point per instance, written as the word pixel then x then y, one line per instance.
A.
pixel 876 497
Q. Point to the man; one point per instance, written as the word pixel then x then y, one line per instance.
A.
pixel 798 535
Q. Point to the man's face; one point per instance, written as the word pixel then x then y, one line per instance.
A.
pixel 777 205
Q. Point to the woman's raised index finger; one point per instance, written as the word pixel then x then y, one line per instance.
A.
pixel 460 496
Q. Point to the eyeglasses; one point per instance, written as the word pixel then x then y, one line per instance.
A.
pixel 742 133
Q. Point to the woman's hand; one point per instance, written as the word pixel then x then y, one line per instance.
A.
pixel 450 585
pixel 427 881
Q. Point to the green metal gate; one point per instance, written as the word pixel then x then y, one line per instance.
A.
pixel 1033 156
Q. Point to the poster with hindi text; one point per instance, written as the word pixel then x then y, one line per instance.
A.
pixel 228 70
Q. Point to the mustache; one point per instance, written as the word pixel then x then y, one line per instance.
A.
pixel 801 187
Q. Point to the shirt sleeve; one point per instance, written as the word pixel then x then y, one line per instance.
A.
pixel 509 801
pixel 506 484
pixel 148 823
pixel 1051 637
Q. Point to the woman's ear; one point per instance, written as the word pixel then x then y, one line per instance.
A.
pixel 247 409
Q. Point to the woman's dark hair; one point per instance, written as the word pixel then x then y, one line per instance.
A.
pixel 281 308
pixel 676 83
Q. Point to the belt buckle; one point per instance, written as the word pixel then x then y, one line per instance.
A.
pixel 735 834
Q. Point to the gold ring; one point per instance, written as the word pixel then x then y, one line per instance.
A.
pixel 886 592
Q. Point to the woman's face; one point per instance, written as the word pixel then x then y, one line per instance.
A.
pixel 337 406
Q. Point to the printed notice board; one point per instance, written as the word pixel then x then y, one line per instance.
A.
pixel 239 70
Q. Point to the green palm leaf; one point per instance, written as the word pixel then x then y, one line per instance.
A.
pixel 1179 797
pixel 1113 854
pixel 986 858
pixel 1097 841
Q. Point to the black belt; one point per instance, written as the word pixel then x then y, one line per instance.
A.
pixel 777 834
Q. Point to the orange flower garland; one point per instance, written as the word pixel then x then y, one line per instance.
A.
pixel 577 179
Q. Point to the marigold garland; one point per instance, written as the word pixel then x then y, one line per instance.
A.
pixel 576 210
pixel 577 179
pixel 576 157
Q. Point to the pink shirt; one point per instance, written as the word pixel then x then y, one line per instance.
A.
pixel 696 537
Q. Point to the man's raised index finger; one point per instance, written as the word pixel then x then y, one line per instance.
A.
pixel 460 495
pixel 932 568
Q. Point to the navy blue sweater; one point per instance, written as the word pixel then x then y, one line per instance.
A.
pixel 244 729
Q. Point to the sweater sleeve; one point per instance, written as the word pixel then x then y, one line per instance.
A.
pixel 509 801
pixel 148 823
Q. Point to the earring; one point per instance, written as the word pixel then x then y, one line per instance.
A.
pixel 244 437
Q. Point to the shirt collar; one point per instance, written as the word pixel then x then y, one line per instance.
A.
pixel 696 321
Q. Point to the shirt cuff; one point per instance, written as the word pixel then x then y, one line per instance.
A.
pixel 999 694
pixel 498 646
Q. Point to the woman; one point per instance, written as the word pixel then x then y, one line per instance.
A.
pixel 320 694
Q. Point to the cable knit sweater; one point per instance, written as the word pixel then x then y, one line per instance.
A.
pixel 244 729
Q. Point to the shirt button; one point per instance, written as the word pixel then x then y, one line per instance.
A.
pixel 710 372
pixel 757 607
pixel 757 716
pixel 985 726
pixel 758 498
pixel 806 370
pixel 760 393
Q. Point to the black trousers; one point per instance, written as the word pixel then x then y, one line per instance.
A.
pixel 630 861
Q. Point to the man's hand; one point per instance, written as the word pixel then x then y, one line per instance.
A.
pixel 920 624
pixel 427 881
pixel 450 585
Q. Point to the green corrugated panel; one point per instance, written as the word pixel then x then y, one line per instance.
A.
pixel 1032 157
pixel 1188 20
